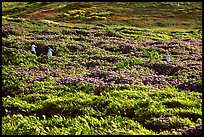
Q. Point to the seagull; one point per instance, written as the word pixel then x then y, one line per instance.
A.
pixel 33 49
pixel 49 53
pixel 168 57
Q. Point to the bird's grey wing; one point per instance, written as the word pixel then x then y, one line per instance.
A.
pixel 33 52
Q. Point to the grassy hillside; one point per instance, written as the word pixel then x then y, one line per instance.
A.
pixel 108 73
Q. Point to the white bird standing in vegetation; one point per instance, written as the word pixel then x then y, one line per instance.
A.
pixel 49 53
pixel 33 49
pixel 168 57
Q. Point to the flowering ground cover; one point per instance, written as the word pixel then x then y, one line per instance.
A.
pixel 103 78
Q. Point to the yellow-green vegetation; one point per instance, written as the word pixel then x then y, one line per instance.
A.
pixel 108 74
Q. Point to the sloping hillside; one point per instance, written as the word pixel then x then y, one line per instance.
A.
pixel 108 73
pixel 139 14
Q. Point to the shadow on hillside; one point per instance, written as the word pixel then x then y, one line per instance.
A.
pixel 190 86
pixel 163 69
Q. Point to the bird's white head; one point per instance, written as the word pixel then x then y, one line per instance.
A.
pixel 33 46
pixel 49 49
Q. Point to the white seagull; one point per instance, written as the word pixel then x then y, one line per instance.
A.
pixel 33 49
pixel 168 57
pixel 49 53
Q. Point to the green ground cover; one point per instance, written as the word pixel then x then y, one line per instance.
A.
pixel 108 73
